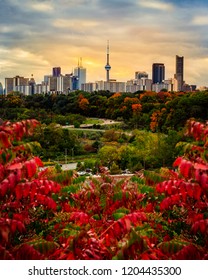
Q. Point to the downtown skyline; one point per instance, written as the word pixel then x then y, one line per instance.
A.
pixel 39 35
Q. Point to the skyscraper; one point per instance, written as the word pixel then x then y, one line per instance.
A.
pixel 179 72
pixel 31 84
pixel 139 75
pixel 158 73
pixel 107 66
pixel 56 71
pixel 80 73
pixel 17 83
pixel 1 89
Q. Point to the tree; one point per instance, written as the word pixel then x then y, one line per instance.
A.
pixel 108 155
pixel 114 169
pixel 152 216
pixel 24 193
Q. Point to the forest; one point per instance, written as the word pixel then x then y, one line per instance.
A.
pixel 144 110
pixel 157 213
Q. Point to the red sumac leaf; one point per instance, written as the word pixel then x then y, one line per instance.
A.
pixel 185 168
pixel 204 181
pixel 4 186
pixel 201 225
pixel 80 217
pixel 12 224
pixel 165 204
pixel 201 166
pixel 38 161
pixel 31 168
pixel 177 162
pixel 15 166
pixel 18 192
pixel 26 189
pixel 4 139
pixel 189 252
pixel 197 192
pixel 5 254
pixel 27 252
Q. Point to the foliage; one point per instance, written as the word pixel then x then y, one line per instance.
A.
pixel 147 110
pixel 152 216
pixel 114 169
pixel 25 193
pixel 57 141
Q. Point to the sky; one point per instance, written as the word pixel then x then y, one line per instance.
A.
pixel 37 35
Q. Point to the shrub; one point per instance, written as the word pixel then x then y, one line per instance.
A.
pixel 153 216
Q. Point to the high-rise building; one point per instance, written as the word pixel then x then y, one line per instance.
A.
pixel 8 85
pixel 64 83
pixel 139 75
pixel 139 85
pixel 80 73
pixel 41 88
pixel 112 86
pixel 107 66
pixel 1 89
pixel 158 73
pixel 56 71
pixel 17 83
pixel 179 72
pixel 31 84
pixel 52 82
pixel 89 87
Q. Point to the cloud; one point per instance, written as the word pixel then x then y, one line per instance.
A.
pixel 20 62
pixel 75 23
pixel 42 7
pixel 158 5
pixel 200 20
pixel 40 34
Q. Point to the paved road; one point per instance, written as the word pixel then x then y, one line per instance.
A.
pixel 69 166
pixel 104 122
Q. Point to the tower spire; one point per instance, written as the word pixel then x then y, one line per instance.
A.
pixel 107 66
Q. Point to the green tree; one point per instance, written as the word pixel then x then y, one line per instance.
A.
pixel 115 169
pixel 108 155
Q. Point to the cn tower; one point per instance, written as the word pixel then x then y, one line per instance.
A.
pixel 107 66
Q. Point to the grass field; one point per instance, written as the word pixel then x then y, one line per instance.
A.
pixel 93 121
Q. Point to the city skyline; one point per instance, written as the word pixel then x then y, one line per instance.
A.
pixel 39 35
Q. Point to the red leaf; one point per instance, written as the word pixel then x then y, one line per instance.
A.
pixel 46 201
pixel 80 217
pixel 38 161
pixel 27 252
pixel 5 254
pixel 200 166
pixel 4 139
pixel 31 168
pixel 201 225
pixel 185 168
pixel 15 166
pixel 13 224
pixel 197 192
pixel 189 252
pixel 18 192
pixel 4 186
pixel 204 181
pixel 177 162
pixel 26 189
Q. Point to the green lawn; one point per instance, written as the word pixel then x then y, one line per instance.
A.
pixel 93 121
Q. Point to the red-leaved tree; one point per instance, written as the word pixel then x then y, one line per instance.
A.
pixel 150 216
pixel 23 193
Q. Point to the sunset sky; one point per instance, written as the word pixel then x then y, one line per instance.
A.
pixel 36 35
